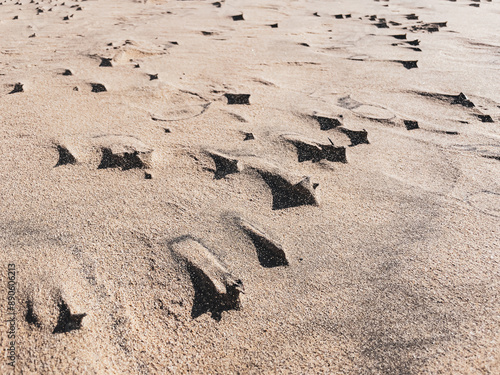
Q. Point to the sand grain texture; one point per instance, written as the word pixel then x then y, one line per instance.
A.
pixel 340 159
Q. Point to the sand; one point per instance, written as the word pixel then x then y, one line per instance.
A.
pixel 250 187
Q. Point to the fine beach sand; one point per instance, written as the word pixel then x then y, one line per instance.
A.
pixel 251 187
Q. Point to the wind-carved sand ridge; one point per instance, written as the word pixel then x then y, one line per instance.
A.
pixel 115 151
pixel 216 290
pixel 226 187
pixel 225 164
pixel 289 190
pixel 308 149
pixel 269 252
pixel 124 152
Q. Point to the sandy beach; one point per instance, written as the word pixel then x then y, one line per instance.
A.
pixel 250 187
